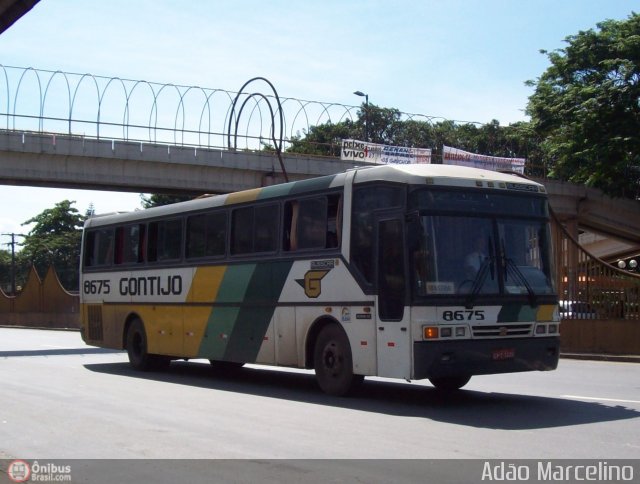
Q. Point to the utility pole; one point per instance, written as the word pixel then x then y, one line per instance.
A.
pixel 13 260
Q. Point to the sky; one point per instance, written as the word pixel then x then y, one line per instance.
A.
pixel 456 59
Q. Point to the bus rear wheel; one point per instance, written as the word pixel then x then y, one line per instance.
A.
pixel 450 383
pixel 333 362
pixel 139 357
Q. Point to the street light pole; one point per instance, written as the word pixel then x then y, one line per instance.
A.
pixel 366 113
pixel 13 261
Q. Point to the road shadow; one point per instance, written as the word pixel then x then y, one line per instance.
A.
pixel 58 352
pixel 466 407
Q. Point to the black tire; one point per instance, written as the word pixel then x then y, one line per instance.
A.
pixel 333 362
pixel 450 383
pixel 139 357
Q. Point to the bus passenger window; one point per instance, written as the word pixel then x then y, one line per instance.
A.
pixel 307 224
pixel 98 249
pixel 129 244
pixel 206 235
pixel 266 228
pixel 165 240
pixel 242 231
pixel 254 229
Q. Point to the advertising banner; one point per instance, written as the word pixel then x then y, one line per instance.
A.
pixel 354 150
pixel 454 156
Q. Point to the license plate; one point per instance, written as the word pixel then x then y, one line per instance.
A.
pixel 503 354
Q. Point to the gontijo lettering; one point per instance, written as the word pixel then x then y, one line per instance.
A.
pixel 150 286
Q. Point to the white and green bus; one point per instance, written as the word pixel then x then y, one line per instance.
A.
pixel 402 271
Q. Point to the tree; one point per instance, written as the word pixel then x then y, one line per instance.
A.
pixel 156 200
pixel 324 139
pixel 586 108
pixel 55 240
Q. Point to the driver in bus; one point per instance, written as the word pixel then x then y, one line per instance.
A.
pixel 473 261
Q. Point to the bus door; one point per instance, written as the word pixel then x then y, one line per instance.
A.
pixel 393 321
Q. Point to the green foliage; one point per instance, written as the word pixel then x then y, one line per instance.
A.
pixel 55 240
pixel 157 200
pixel 386 127
pixel 586 108
pixel 324 139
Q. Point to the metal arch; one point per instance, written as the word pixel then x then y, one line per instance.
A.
pixel 208 108
pixel 155 109
pixel 303 110
pixel 46 90
pixel 126 113
pixel 75 93
pixel 326 110
pixel 15 99
pixel 348 112
pixel 181 104
pixel 6 80
pixel 104 91
pixel 277 145
pixel 251 97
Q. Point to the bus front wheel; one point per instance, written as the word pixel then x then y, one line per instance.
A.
pixel 333 363
pixel 139 358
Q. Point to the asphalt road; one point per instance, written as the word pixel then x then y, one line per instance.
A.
pixel 60 399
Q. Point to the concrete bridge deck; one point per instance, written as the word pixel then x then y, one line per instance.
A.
pixel 54 160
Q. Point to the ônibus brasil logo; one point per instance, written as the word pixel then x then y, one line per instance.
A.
pixel 19 471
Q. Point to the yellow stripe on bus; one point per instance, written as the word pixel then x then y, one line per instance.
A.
pixel 545 313
pixel 244 196
pixel 206 283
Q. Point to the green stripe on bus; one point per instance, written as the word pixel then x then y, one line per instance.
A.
pixel 516 313
pixel 321 183
pixel 223 318
pixel 257 311
pixel 275 191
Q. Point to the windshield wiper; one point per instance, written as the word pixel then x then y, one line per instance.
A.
pixel 478 282
pixel 517 273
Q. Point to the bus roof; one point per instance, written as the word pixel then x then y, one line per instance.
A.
pixel 430 174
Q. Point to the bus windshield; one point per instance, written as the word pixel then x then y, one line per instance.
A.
pixel 480 255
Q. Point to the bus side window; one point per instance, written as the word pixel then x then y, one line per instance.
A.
pixel 98 250
pixel 164 240
pixel 266 228
pixel 207 235
pixel 129 244
pixel 366 201
pixel 242 231
pixel 312 223
pixel 334 221
pixel 254 229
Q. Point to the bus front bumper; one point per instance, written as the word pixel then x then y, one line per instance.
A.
pixel 438 359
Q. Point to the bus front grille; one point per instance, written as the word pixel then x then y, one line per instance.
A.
pixel 502 330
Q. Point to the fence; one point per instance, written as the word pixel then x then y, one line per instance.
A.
pixel 599 303
pixel 41 303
